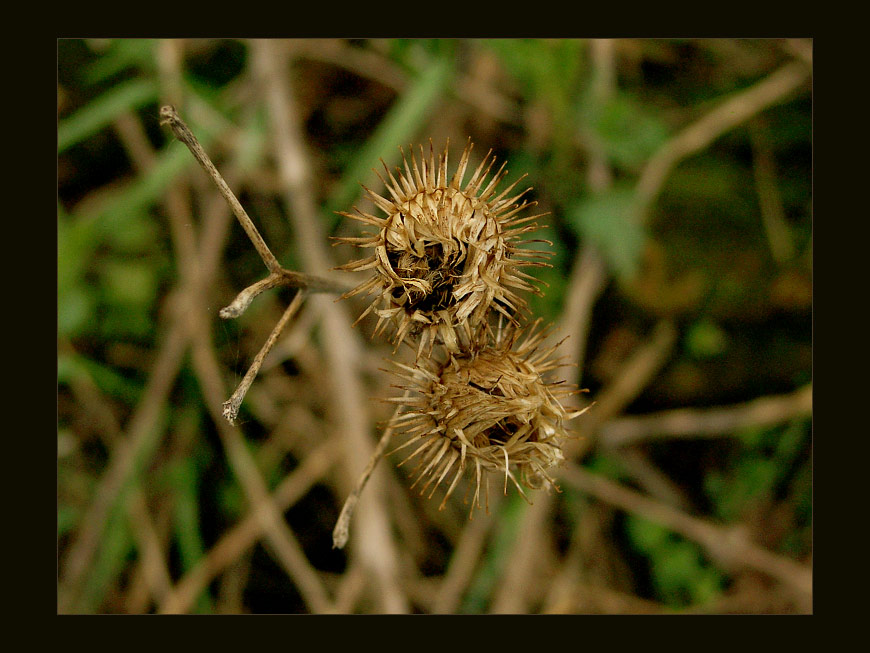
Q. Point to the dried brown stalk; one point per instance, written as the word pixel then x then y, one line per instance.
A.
pixel 278 276
pixel 729 545
pixel 374 547
pixel 342 525
pixel 707 422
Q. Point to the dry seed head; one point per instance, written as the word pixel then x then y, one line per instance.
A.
pixel 486 411
pixel 446 253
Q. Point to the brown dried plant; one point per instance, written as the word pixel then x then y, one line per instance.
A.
pixel 446 259
pixel 488 409
pixel 446 254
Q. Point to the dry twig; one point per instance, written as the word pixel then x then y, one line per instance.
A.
pixel 706 422
pixel 278 276
pixel 731 546
pixel 245 533
pixel 375 543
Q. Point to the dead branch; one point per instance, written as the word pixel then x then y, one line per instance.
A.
pixel 707 422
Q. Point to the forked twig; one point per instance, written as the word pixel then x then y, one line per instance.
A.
pixel 279 276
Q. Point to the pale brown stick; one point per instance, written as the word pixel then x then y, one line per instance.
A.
pixel 342 524
pixel 284 545
pixel 231 406
pixel 283 277
pixel 735 110
pixel 246 532
pixel 707 422
pixel 279 276
pixel 731 546
pixel 375 544
pixel 169 116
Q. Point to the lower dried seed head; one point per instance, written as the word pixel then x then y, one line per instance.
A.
pixel 486 411
pixel 445 254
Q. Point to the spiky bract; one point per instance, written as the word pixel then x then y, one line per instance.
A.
pixel 446 253
pixel 489 410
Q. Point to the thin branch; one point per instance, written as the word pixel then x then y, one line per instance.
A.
pixel 776 227
pixel 730 546
pixel 342 524
pixel 735 110
pixel 240 304
pixel 241 537
pixel 231 406
pixel 283 277
pixel 698 422
pixel 169 116
pixel 284 545
pixel 279 276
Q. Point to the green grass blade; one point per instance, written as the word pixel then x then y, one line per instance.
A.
pixel 93 117
pixel 191 548
pixel 401 123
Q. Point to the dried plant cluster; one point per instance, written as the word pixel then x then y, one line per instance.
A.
pixel 445 272
pixel 446 254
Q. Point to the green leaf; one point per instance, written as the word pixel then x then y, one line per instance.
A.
pixel 547 68
pixel 628 131
pixel 646 535
pixel 607 220
pixel 133 232
pixel 128 282
pixel 76 242
pixel 75 311
pixel 681 575
pixel 705 339
pixel 67 518
pixel 106 378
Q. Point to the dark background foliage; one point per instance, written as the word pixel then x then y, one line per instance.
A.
pixel 707 266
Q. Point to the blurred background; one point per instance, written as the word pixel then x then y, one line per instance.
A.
pixel 677 175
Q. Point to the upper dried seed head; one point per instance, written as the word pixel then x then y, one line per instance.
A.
pixel 486 411
pixel 446 253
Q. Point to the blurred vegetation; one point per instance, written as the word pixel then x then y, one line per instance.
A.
pixel 725 254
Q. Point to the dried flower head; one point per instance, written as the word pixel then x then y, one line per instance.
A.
pixel 489 410
pixel 446 253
